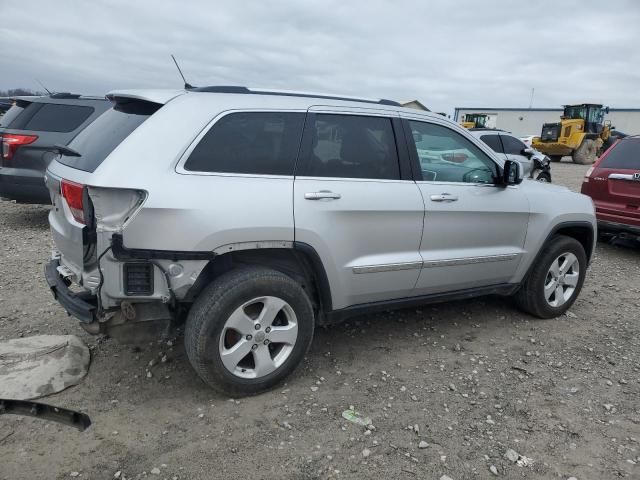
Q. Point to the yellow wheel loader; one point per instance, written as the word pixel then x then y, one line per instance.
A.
pixel 475 120
pixel 580 133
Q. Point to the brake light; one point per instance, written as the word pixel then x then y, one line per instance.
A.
pixel 11 143
pixel 73 193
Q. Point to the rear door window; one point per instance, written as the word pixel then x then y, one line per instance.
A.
pixel 494 142
pixel 352 146
pixel 102 136
pixel 625 156
pixel 262 143
pixel 512 146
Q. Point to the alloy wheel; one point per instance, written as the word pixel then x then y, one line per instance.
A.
pixel 258 337
pixel 562 279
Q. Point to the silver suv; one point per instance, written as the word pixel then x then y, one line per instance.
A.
pixel 257 215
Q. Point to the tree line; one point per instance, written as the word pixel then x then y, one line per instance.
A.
pixel 19 92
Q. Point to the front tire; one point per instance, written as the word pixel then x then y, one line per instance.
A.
pixel 556 279
pixel 586 153
pixel 249 330
pixel 544 177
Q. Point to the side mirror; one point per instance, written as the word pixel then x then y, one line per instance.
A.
pixel 512 173
pixel 528 151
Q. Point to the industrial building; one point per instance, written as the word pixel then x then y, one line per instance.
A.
pixel 528 121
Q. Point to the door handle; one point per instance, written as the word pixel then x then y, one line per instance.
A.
pixel 444 197
pixel 322 194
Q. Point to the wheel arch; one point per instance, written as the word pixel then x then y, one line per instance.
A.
pixel 297 260
pixel 582 231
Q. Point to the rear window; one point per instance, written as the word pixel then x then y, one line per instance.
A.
pixel 263 143
pixel 50 117
pixel 625 155
pixel 101 137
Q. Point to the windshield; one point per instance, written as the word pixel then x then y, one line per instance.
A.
pixel 479 119
pixel 595 115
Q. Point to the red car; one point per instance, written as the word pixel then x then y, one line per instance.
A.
pixel 613 182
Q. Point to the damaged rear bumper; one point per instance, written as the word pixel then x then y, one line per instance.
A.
pixel 82 306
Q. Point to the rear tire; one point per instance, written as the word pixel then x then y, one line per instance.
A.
pixel 544 177
pixel 555 280
pixel 249 330
pixel 586 153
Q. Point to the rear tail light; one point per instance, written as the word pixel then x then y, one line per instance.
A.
pixel 74 194
pixel 588 174
pixel 11 143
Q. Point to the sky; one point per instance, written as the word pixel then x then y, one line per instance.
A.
pixel 444 53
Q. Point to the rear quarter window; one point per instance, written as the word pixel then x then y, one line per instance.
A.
pixel 625 155
pixel 262 143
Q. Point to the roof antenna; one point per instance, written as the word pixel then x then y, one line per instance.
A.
pixel 187 85
pixel 42 85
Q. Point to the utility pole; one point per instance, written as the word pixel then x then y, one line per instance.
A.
pixel 531 98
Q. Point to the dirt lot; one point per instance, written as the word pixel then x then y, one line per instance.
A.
pixel 475 378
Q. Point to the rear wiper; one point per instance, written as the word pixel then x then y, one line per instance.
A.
pixel 66 151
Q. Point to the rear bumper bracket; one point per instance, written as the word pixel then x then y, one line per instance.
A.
pixel 80 305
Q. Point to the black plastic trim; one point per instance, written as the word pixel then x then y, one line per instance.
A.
pixel 373 307
pixel 65 95
pixel 80 306
pixel 404 158
pixel 320 274
pixel 554 231
pixel 617 227
pixel 414 161
pixel 221 89
pixel 71 418
pixel 120 252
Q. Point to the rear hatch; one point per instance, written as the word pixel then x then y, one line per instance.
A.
pixel 30 129
pixel 614 183
pixel 73 217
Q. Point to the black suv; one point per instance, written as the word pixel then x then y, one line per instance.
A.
pixel 29 133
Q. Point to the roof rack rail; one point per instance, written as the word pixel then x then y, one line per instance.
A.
pixel 65 95
pixel 487 129
pixel 284 93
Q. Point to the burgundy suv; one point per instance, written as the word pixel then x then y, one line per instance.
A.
pixel 613 182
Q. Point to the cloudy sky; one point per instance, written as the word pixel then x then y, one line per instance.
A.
pixel 445 53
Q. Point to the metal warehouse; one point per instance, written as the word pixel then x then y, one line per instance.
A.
pixel 528 121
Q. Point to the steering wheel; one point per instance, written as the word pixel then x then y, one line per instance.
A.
pixel 472 175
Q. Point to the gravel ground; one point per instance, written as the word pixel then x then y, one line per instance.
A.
pixel 466 381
